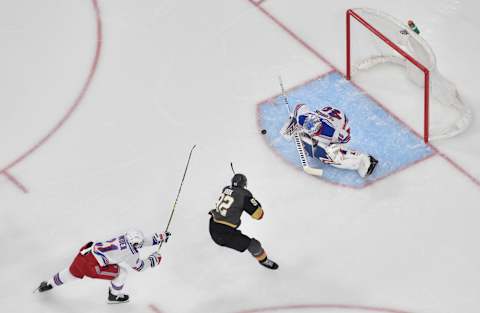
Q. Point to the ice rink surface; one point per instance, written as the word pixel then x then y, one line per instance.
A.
pixel 101 101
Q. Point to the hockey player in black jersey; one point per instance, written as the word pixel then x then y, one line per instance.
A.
pixel 225 220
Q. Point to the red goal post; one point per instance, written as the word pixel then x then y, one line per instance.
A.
pixel 396 43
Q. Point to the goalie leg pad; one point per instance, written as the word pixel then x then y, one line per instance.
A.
pixel 344 158
pixel 309 149
pixel 316 151
pixel 335 153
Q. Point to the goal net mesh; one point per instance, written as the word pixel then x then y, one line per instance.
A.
pixel 447 115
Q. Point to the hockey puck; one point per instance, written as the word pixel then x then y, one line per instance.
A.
pixel 263 131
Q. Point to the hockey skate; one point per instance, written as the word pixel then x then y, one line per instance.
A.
pixel 120 298
pixel 373 164
pixel 269 264
pixel 44 286
pixel 367 165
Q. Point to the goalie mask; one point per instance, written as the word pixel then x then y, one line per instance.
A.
pixel 135 238
pixel 239 180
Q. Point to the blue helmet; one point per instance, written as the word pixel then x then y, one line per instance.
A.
pixel 312 124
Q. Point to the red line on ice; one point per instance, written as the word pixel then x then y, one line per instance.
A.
pixel 321 306
pixel 15 181
pixel 76 103
pixel 323 59
pixel 154 308
pixel 458 167
pixel 293 35
pixel 259 2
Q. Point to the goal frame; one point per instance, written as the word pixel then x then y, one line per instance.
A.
pixel 352 14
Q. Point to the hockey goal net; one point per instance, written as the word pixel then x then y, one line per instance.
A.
pixel 374 38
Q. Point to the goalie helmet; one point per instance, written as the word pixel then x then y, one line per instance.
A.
pixel 135 238
pixel 239 180
pixel 312 124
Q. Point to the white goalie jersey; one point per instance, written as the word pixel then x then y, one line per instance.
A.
pixel 326 126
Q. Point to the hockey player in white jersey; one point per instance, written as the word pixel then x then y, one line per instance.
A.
pixel 101 260
pixel 324 133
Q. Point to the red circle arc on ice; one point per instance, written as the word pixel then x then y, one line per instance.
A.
pixel 5 170
pixel 322 308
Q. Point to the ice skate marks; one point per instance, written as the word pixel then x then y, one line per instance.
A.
pixel 374 130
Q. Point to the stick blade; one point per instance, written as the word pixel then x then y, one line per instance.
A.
pixel 313 171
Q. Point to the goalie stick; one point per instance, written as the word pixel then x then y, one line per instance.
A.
pixel 178 194
pixel 303 158
pixel 298 141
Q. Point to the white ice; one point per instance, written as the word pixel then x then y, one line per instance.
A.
pixel 172 74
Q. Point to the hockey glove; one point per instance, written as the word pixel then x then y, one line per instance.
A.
pixel 297 108
pixel 154 259
pixel 289 128
pixel 161 237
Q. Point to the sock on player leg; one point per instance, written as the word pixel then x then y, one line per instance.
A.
pixel 116 285
pixel 61 278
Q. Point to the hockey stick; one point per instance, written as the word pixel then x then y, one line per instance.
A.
pixel 303 158
pixel 178 194
pixel 280 81
pixel 298 141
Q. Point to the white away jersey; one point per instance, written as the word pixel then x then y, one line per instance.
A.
pixel 119 250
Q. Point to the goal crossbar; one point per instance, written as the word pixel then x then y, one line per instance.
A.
pixel 349 14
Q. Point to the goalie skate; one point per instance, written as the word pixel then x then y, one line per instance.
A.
pixel 373 164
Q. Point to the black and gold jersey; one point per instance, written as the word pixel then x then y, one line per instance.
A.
pixel 231 204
